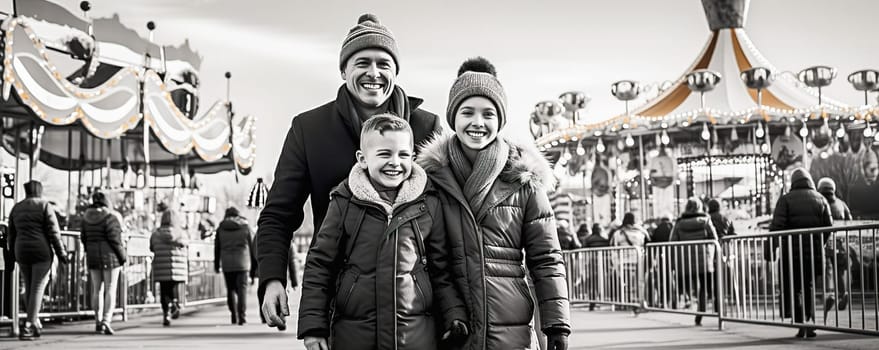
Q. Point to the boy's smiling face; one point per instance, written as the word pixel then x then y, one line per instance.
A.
pixel 387 156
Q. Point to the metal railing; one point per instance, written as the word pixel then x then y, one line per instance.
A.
pixel 823 278
pixel 683 274
pixel 69 292
pixel 609 275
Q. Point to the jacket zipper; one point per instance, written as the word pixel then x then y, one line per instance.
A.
pixel 351 289
pixel 396 257
pixel 419 241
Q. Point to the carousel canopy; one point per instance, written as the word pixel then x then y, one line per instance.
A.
pixel 728 98
pixel 105 85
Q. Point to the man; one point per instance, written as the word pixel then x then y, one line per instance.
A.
pixel 320 147
pixel 802 207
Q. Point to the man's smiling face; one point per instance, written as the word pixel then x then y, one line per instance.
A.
pixel 369 76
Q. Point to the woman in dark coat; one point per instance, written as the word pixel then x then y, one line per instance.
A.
pixel 497 216
pixel 695 264
pixel 234 254
pixel 101 236
pixel 170 264
pixel 802 207
pixel 34 239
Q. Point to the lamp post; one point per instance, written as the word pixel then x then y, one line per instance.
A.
pixel 625 90
pixel 702 81
pixel 574 101
pixel 758 78
pixel 865 80
pixel 817 77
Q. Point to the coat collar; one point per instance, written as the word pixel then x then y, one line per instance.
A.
pixel 525 166
pixel 411 188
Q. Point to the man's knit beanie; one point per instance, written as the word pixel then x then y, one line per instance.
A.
pixel 477 77
pixel 368 33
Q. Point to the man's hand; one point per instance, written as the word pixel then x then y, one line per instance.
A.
pixel 315 343
pixel 558 341
pixel 274 306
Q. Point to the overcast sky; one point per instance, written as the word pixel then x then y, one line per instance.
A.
pixel 283 55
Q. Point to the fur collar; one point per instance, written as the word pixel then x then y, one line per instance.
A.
pixel 410 189
pixel 525 165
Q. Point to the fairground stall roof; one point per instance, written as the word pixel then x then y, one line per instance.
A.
pixel 84 86
pixel 738 85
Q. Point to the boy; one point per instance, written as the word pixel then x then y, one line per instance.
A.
pixel 380 257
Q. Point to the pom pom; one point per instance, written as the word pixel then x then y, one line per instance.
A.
pixel 368 17
pixel 477 64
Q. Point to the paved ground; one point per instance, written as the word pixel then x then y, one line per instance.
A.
pixel 209 328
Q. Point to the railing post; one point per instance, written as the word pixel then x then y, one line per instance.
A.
pixel 641 277
pixel 14 294
pixel 718 278
pixel 124 284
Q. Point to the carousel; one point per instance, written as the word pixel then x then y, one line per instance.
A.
pixel 88 104
pixel 109 109
pixel 731 127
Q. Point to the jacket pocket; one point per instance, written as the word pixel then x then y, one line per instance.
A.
pixel 423 291
pixel 346 289
pixel 522 286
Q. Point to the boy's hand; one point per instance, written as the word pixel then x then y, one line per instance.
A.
pixel 456 333
pixel 315 343
pixel 274 305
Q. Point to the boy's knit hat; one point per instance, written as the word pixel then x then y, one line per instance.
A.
pixel 368 33
pixel 477 77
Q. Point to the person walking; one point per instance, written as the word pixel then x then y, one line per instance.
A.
pixel 837 253
pixel 630 233
pixel 663 230
pixel 170 263
pixel 567 241
pixel 234 255
pixel 34 242
pixel 320 146
pixel 695 264
pixel 802 207
pixel 723 226
pixel 101 236
pixel 499 219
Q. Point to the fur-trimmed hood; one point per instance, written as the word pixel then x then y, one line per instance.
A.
pixel 359 186
pixel 525 164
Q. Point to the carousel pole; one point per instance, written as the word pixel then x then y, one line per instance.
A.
pixel 231 115
pixel 69 173
pixel 643 182
pixel 100 169
pixel 30 155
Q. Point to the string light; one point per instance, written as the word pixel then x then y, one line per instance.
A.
pixel 706 135
pixel 760 132
pixel 600 146
pixel 840 132
pixel 804 131
pixel 630 141
pixel 580 150
pixel 868 132
pixel 664 138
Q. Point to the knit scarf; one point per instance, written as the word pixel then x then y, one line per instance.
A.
pixel 476 179
pixel 398 104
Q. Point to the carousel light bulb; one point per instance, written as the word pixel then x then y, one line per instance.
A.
pixel 630 141
pixel 804 131
pixel 760 132
pixel 809 145
pixel 600 146
pixel 764 148
pixel 706 135
pixel 664 138
pixel 840 133
pixel 621 145
pixel 868 132
pixel 580 150
pixel 567 155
